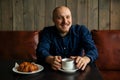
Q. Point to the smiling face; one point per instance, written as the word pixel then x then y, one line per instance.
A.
pixel 62 19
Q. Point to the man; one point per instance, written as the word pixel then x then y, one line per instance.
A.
pixel 66 40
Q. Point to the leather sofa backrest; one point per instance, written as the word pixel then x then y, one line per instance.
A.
pixel 18 45
pixel 108 45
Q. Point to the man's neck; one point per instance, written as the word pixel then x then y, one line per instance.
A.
pixel 63 34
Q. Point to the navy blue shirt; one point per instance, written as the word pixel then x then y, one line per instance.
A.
pixel 75 43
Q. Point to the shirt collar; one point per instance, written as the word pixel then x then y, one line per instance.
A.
pixel 57 32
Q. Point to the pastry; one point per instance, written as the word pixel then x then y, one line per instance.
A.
pixel 27 67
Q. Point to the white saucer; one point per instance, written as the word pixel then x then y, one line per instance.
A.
pixel 69 71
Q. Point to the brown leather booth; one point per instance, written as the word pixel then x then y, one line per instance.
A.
pixel 18 45
pixel 22 45
pixel 108 45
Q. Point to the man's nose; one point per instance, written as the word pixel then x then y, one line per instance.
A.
pixel 64 20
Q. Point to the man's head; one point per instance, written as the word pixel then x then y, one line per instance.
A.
pixel 62 18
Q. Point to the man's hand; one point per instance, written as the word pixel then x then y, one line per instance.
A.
pixel 81 62
pixel 54 61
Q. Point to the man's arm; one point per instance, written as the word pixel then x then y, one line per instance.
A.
pixel 88 44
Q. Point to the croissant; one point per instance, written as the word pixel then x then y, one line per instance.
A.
pixel 27 67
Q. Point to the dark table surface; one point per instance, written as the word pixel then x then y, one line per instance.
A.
pixel 90 73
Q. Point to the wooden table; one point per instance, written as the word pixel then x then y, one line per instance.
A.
pixel 91 73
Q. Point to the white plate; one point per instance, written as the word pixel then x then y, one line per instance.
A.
pixel 69 71
pixel 40 68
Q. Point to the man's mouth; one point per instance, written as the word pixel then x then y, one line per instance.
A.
pixel 64 25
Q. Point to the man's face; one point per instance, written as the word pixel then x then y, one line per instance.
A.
pixel 62 19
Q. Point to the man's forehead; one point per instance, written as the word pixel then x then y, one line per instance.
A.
pixel 61 7
pixel 62 11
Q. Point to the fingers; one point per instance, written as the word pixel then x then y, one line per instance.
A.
pixel 84 66
pixel 58 58
pixel 56 63
pixel 81 62
pixel 72 57
pixel 55 66
pixel 81 65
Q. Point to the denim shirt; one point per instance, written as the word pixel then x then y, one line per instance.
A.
pixel 77 40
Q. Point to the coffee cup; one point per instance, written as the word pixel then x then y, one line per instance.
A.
pixel 68 64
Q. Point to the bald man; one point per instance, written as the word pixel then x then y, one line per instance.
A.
pixel 64 40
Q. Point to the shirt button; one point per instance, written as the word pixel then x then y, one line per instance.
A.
pixel 64 47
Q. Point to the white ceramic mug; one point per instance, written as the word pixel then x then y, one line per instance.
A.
pixel 68 64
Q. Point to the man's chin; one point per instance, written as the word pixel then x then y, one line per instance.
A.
pixel 64 31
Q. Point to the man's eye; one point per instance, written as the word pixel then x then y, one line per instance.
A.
pixel 67 17
pixel 59 18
